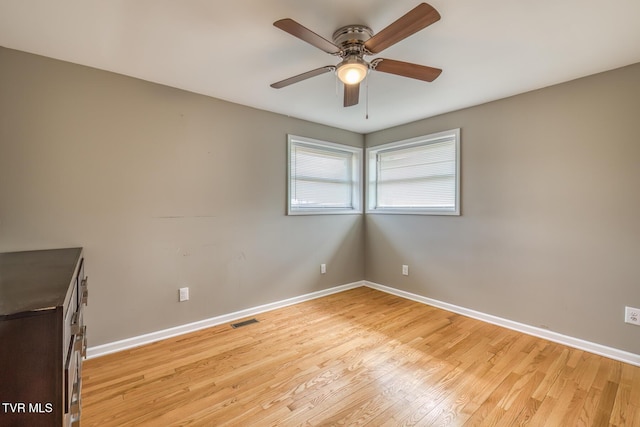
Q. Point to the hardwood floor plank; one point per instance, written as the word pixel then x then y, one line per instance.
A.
pixel 622 411
pixel 359 357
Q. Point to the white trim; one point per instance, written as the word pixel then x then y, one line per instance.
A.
pixel 591 347
pixel 610 352
pixel 125 344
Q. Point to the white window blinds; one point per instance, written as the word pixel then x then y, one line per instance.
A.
pixel 416 176
pixel 323 177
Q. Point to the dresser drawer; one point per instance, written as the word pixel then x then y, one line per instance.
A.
pixel 73 375
pixel 73 389
pixel 83 291
pixel 70 323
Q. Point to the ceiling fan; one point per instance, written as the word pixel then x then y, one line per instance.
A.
pixel 353 42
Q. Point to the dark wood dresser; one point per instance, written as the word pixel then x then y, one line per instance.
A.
pixel 42 337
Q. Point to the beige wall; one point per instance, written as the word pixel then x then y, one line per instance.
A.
pixel 550 227
pixel 164 189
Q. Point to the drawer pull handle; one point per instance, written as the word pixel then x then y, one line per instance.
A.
pixel 75 325
pixel 75 404
pixel 84 289
pixel 80 343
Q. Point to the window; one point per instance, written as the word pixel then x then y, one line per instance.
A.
pixel 415 176
pixel 323 177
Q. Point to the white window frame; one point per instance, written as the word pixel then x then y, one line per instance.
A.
pixel 372 156
pixel 356 174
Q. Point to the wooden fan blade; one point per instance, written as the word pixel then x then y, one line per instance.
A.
pixel 351 94
pixel 303 76
pixel 406 69
pixel 305 34
pixel 415 20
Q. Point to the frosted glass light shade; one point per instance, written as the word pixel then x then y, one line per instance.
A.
pixel 352 71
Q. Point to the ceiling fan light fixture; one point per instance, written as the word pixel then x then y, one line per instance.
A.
pixel 353 42
pixel 352 70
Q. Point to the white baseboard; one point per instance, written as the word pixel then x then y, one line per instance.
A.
pixel 125 344
pixel 610 352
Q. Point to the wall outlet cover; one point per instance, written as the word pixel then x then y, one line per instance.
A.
pixel 632 315
pixel 183 294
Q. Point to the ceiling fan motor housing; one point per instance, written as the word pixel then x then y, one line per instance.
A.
pixel 351 38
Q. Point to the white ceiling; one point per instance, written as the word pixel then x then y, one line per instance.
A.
pixel 488 49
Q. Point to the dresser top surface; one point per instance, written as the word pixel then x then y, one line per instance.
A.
pixel 36 280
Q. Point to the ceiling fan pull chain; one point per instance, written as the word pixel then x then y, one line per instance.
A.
pixel 367 98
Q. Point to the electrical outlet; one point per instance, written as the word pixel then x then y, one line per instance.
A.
pixel 323 268
pixel 632 315
pixel 184 294
pixel 405 270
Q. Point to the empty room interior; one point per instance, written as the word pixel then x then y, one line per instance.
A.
pixel 241 235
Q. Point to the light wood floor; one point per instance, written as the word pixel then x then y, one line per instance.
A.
pixel 360 357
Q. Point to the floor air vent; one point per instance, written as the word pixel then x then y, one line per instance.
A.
pixel 244 323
